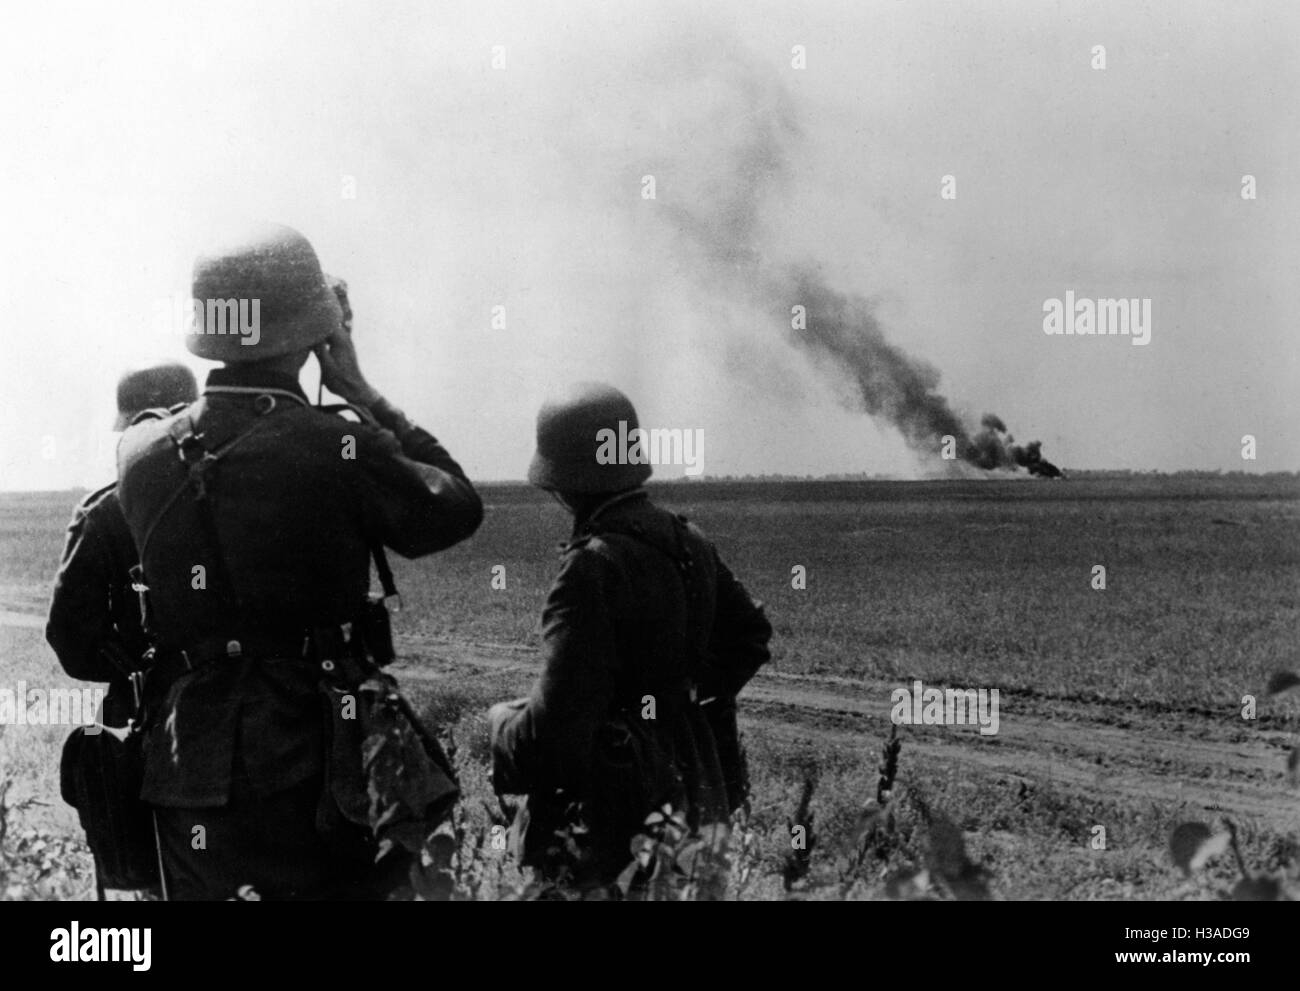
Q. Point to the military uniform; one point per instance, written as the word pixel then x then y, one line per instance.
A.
pixel 297 501
pixel 94 618
pixel 629 616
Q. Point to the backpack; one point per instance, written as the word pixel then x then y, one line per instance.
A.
pixel 632 775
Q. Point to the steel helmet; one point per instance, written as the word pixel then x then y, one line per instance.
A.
pixel 574 452
pixel 161 385
pixel 275 266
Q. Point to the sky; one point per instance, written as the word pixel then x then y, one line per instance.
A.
pixel 441 185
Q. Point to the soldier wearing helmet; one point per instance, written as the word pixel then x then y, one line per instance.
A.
pixel 93 623
pixel 256 516
pixel 94 618
pixel 643 611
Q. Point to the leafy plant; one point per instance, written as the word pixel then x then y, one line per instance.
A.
pixel 33 863
pixel 670 862
pixel 743 851
pixel 798 861
pixel 875 822
pixel 564 862
pixel 1282 681
pixel 1193 845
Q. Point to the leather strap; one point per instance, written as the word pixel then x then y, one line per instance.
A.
pixel 199 460
pixel 260 645
pixel 679 553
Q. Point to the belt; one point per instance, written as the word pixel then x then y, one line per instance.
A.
pixel 293 645
pixel 684 690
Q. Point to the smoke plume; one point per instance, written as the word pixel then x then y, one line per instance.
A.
pixel 723 222
pixel 844 332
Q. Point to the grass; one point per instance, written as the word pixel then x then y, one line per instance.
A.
pixel 968 583
pixel 990 585
pixel 42 852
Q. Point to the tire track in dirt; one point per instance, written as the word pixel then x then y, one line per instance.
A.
pixel 1148 754
pixel 21 620
pixel 1157 755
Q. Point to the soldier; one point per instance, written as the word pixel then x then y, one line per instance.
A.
pixel 94 628
pixel 94 616
pixel 647 639
pixel 255 515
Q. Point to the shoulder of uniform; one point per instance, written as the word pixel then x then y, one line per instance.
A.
pixel 95 498
pixel 149 422
pixel 146 431
pixel 93 507
pixel 156 413
pixel 577 544
pixel 334 421
pixel 591 549
pixel 590 560
pixel 91 501
pixel 347 412
pixel 695 531
pixel 598 534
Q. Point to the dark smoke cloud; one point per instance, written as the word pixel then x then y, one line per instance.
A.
pixel 994 448
pixel 722 219
pixel 844 331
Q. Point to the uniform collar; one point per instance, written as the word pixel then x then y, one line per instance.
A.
pixel 613 502
pixel 237 379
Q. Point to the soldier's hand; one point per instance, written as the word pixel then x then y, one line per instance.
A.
pixel 501 713
pixel 339 369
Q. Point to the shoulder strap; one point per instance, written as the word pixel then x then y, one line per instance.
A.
pixel 385 572
pixel 360 412
pixel 198 461
pixel 678 551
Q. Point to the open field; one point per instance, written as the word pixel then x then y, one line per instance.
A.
pixel 1120 707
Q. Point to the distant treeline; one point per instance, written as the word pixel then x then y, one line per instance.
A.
pixel 803 485
pixel 1077 487
pixel 1071 472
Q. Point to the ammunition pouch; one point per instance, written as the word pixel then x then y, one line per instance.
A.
pixel 389 789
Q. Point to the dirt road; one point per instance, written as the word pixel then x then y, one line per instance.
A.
pixel 1196 759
